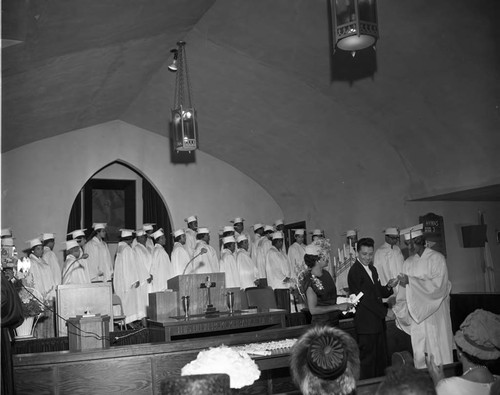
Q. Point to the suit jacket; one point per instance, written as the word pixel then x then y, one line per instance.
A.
pixel 370 311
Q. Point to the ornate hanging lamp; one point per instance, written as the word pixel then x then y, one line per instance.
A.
pixel 354 24
pixel 184 125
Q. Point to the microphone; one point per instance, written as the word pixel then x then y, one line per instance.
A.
pixel 202 251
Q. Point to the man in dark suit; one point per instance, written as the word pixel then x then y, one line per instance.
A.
pixel 370 315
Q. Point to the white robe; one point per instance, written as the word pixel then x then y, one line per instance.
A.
pixel 389 264
pixel 99 260
pixel 204 263
pixel 180 258
pixel 45 282
pixel 161 268
pixel 255 245
pixel 296 254
pixel 428 299
pixel 248 270
pixel 229 266
pixel 190 242
pixel 50 257
pixel 150 245
pixel 144 261
pixel 126 275
pixel 75 271
pixel 277 268
pixel 262 249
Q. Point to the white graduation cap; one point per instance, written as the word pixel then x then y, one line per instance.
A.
pixel 277 235
pixel 278 222
pixel 34 242
pixel 77 233
pixel 202 231
pixel 192 218
pixel 313 249
pixel 147 227
pixel 99 225
pixel 6 232
pixel 126 232
pixel 413 231
pixel 140 232
pixel 178 232
pixel 47 236
pixel 317 232
pixel 241 238
pixel 351 233
pixel 391 232
pixel 299 231
pixel 71 244
pixel 257 226
pixel 228 229
pixel 268 228
pixel 228 239
pixel 237 220
pixel 158 234
pixel 8 242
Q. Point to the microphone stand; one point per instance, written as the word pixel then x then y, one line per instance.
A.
pixel 192 259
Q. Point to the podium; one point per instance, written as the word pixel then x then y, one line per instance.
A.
pixel 79 329
pixel 191 285
pixel 77 299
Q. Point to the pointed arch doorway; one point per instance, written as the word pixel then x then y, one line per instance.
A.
pixel 123 197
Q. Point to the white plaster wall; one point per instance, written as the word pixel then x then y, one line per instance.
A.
pixel 41 180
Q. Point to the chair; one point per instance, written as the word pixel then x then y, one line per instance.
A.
pixel 118 316
pixel 283 299
pixel 262 298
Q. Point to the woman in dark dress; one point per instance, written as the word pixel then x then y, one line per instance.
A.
pixel 319 289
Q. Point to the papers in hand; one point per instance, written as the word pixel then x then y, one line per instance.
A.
pixel 353 299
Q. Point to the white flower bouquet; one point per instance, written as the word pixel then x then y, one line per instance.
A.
pixel 242 370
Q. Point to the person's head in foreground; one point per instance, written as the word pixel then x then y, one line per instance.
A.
pixel 325 360
pixel 406 380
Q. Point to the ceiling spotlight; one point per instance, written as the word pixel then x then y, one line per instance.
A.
pixel 173 65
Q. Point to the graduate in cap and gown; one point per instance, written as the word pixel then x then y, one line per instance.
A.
pixel 161 267
pixel 48 240
pixel 247 269
pixel 99 260
pixel 180 256
pixel 75 270
pixel 277 265
pixel 205 258
pixel 191 234
pixel 425 277
pixel 228 264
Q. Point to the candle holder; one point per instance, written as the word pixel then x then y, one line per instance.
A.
pixel 230 302
pixel 185 306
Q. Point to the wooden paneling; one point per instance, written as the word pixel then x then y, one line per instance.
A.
pixel 35 380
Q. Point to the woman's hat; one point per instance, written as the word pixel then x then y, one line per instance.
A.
pixel 479 335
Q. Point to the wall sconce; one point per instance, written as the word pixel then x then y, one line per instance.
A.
pixel 184 123
pixel 354 24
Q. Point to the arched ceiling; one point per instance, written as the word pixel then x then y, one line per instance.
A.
pixel 266 89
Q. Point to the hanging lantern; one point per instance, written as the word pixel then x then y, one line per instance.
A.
pixel 354 24
pixel 184 125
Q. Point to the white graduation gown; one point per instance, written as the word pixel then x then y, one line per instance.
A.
pixel 296 254
pixel 277 268
pixel 255 245
pixel 161 268
pixel 248 270
pixel 144 260
pixel 428 298
pixel 75 271
pixel 229 266
pixel 204 263
pixel 99 260
pixel 389 264
pixel 180 258
pixel 50 257
pixel 124 279
pixel 262 249
pixel 190 242
pixel 43 277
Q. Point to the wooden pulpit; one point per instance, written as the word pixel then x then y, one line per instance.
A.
pixel 191 285
pixel 88 333
pixel 80 299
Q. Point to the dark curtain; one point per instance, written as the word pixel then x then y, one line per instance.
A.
pixel 75 216
pixel 154 211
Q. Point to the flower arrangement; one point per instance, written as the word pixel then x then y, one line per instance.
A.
pixel 31 307
pixel 242 370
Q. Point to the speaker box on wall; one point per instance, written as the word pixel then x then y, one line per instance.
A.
pixel 474 236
